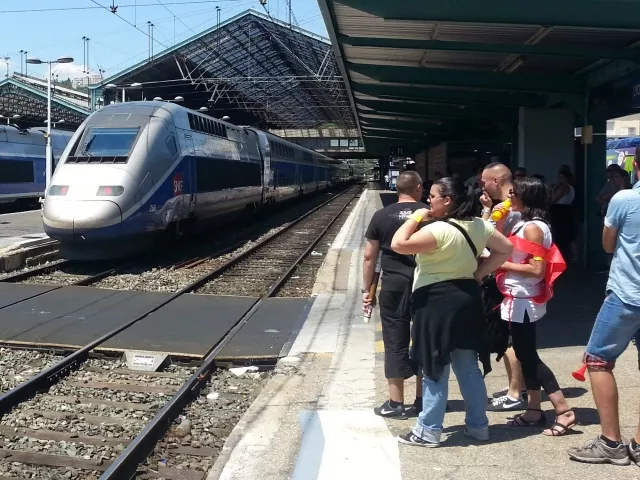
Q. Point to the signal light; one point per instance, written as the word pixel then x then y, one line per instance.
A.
pixel 109 191
pixel 58 190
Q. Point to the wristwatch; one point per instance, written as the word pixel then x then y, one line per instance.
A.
pixel 364 290
pixel 485 211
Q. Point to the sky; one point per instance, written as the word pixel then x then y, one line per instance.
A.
pixel 114 44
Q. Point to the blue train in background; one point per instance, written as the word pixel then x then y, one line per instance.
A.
pixel 134 170
pixel 22 163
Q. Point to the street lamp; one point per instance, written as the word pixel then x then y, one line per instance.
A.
pixel 48 159
pixel 124 88
pixel 10 117
pixel 55 123
pixel 138 85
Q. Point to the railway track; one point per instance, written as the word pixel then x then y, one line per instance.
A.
pixel 82 417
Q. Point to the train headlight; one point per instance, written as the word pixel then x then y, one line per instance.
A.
pixel 58 190
pixel 109 191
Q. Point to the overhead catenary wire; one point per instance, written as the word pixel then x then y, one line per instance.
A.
pixel 132 5
pixel 127 21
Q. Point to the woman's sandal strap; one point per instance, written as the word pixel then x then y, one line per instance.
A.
pixel 519 421
pixel 560 433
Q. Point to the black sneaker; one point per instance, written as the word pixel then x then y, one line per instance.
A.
pixel 504 391
pixel 411 439
pixel 387 411
pixel 506 404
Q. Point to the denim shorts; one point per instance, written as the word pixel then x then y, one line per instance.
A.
pixel 617 323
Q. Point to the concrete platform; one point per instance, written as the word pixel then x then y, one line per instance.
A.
pixel 314 419
pixel 22 229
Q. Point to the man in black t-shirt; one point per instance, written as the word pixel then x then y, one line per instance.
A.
pixel 397 272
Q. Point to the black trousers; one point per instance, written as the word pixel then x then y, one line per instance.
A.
pixel 396 335
pixel 535 372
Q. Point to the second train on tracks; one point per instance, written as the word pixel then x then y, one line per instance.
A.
pixel 133 170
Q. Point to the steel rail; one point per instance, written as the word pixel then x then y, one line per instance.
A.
pixel 20 276
pixel 47 377
pixel 126 465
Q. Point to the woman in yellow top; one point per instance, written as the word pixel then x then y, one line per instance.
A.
pixel 446 305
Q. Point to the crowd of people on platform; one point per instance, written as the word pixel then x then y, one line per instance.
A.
pixel 469 273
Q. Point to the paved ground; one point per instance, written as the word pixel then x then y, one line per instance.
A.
pixel 526 453
pixel 314 419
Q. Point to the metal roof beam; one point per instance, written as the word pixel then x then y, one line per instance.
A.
pixel 488 47
pixel 483 80
pixel 404 126
pixel 447 96
pixel 437 112
pixel 609 14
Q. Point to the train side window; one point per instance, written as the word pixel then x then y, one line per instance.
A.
pixel 171 144
pixel 16 171
pixel 190 121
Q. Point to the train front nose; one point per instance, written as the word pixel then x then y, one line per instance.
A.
pixel 82 220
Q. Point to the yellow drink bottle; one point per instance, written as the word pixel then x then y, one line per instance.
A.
pixel 502 211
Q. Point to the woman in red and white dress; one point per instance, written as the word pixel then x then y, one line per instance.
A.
pixel 525 282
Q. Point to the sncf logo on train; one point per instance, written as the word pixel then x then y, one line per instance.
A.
pixel 178 183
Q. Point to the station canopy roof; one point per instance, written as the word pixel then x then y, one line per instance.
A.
pixel 421 72
pixel 255 69
pixel 27 97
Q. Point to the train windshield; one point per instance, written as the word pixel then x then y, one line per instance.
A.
pixel 116 142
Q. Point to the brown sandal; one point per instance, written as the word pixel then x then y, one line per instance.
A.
pixel 564 429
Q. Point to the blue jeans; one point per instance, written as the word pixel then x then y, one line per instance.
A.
pixel 616 324
pixel 435 393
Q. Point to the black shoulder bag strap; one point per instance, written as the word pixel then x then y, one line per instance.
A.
pixel 466 237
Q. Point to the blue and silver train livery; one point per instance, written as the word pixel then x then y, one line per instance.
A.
pixel 136 169
pixel 22 162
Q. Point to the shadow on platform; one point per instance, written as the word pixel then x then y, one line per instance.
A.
pixel 571 313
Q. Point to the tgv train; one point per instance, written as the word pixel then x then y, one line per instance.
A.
pixel 22 162
pixel 136 169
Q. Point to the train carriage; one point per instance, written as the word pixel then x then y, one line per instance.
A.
pixel 142 168
pixel 22 162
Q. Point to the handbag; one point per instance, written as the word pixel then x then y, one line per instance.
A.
pixel 497 336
